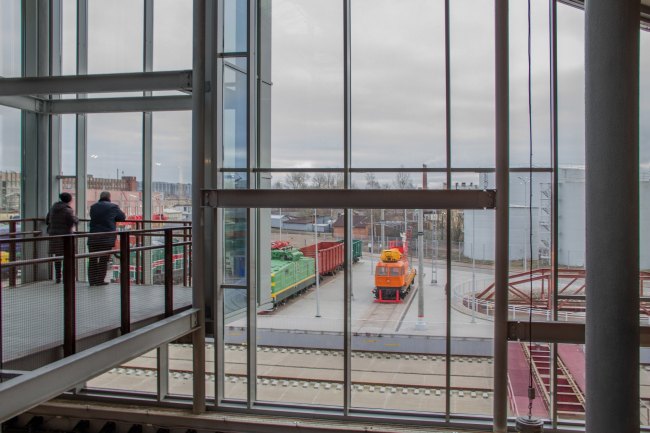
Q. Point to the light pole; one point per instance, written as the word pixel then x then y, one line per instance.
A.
pixel 280 224
pixel 7 201
pixel 372 244
pixel 317 274
pixel 525 237
pixel 434 260
pixel 473 270
pixel 420 325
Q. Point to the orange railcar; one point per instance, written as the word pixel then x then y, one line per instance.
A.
pixel 393 277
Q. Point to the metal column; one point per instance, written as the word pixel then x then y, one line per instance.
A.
pixel 347 214
pixel 502 218
pixel 448 216
pixel 612 215
pixel 553 290
pixel 198 158
pixel 81 134
pixel 147 142
pixel 56 18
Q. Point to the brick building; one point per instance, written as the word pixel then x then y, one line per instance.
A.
pixel 360 225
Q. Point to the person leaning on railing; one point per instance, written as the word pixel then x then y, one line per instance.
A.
pixel 59 220
pixel 103 218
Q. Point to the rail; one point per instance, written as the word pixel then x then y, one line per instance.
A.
pixel 465 298
pixel 42 275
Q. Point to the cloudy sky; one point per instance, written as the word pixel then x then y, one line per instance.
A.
pixel 398 88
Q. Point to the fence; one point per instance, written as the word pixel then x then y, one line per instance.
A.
pixel 62 294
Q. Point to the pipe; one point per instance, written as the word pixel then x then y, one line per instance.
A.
pixel 612 215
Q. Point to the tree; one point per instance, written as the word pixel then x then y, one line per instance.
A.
pixel 403 180
pixel 296 180
pixel 371 181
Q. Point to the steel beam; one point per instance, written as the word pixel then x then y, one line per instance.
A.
pixel 101 83
pixel 38 386
pixel 113 105
pixel 560 332
pixel 353 199
pixel 198 179
pixel 27 103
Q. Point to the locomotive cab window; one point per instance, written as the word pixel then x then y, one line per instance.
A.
pixel 394 272
pixel 382 271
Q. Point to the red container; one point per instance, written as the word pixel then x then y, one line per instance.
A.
pixel 330 256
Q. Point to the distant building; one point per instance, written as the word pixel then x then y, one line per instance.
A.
pixel 9 194
pixel 173 189
pixel 360 225
pixel 126 183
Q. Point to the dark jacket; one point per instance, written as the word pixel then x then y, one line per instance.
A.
pixel 59 220
pixel 103 216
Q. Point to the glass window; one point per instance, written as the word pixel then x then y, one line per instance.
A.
pixel 172 35
pixel 540 84
pixel 234 119
pixel 382 271
pixel 472 82
pixel 115 160
pixel 172 168
pixel 394 271
pixel 398 83
pixel 307 69
pixel 69 38
pixel 115 36
pixel 10 163
pixel 11 38
pixel 234 26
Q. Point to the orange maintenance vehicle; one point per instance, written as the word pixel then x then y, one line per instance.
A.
pixel 393 276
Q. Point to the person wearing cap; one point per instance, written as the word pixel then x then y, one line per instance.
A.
pixel 60 220
pixel 103 218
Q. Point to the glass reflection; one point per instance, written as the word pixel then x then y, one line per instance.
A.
pixel 234 119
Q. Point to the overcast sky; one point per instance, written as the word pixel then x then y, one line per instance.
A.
pixel 398 87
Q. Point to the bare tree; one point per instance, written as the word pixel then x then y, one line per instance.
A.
pixel 371 181
pixel 403 180
pixel 296 180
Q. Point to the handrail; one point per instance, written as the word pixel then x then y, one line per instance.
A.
pixel 158 231
pixel 18 272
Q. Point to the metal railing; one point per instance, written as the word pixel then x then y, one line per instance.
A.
pixel 159 258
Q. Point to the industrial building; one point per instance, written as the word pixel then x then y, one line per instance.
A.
pixel 529 119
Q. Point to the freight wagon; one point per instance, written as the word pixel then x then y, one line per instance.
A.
pixel 357 246
pixel 291 275
pixel 157 266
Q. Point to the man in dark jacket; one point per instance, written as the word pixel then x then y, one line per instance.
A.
pixel 59 220
pixel 103 218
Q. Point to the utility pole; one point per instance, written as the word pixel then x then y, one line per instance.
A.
pixel 317 274
pixel 281 224
pixel 372 244
pixel 420 325
pixel 383 232
pixel 473 270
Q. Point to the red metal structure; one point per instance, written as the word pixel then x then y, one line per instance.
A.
pixel 571 282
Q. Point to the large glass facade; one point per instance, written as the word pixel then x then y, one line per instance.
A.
pixel 391 309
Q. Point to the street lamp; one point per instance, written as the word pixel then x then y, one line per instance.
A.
pixel 525 236
pixel 7 201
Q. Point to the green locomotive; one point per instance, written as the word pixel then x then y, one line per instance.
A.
pixel 291 274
